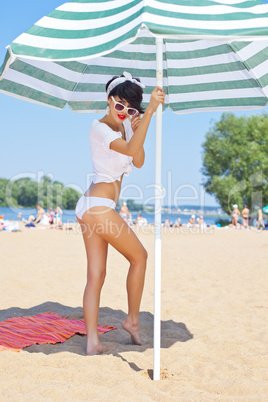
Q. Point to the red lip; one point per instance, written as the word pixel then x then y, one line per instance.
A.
pixel 121 116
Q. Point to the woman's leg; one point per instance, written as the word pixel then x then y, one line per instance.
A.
pixel 96 250
pixel 113 230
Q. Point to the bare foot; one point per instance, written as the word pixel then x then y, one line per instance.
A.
pixel 98 349
pixel 134 331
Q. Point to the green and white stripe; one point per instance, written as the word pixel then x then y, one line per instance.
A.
pixel 215 53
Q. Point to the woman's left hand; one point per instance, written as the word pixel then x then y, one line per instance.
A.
pixel 135 121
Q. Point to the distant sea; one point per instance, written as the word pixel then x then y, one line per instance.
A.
pixel 69 215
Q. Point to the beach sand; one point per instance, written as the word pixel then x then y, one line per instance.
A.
pixel 214 319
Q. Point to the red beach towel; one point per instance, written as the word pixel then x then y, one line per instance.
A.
pixel 19 332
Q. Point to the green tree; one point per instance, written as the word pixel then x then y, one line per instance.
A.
pixel 134 207
pixel 45 192
pixel 235 161
pixel 57 193
pixel 25 192
pixel 69 198
pixel 3 186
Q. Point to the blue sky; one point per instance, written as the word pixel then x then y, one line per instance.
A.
pixel 37 140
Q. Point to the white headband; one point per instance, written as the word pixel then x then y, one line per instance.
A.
pixel 120 80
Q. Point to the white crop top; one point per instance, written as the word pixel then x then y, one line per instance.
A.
pixel 107 164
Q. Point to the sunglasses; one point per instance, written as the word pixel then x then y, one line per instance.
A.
pixel 119 108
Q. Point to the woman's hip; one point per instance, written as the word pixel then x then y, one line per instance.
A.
pixel 87 203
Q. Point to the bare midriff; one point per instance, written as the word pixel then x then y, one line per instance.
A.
pixel 105 190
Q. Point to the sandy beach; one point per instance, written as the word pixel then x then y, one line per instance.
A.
pixel 214 319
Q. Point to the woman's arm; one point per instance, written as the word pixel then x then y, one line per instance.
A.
pixel 135 145
pixel 138 158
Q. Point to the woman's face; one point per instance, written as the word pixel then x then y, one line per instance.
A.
pixel 118 116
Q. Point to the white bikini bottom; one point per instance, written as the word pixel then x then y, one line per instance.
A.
pixel 84 203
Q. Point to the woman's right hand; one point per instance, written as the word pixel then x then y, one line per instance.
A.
pixel 157 97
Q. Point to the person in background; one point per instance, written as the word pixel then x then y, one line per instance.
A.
pixel 260 220
pixel 57 216
pixel 124 212
pixel 140 221
pixel 167 223
pixel 200 222
pixel 129 220
pixel 191 222
pixel 40 213
pixel 51 215
pixel 178 223
pixel 235 216
pixel 245 214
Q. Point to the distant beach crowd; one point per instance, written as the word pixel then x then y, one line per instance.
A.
pixel 53 219
pixel 198 221
pixel 141 221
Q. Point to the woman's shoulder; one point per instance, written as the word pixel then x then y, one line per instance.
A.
pixel 98 125
pixel 98 128
pixel 101 126
pixel 102 135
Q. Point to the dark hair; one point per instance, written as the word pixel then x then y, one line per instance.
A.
pixel 128 91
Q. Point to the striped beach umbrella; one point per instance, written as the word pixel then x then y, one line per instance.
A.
pixel 209 55
pixel 214 53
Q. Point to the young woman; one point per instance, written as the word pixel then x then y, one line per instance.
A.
pixel 116 142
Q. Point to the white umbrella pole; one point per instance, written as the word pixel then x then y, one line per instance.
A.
pixel 158 195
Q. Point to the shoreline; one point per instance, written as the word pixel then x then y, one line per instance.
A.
pixel 146 229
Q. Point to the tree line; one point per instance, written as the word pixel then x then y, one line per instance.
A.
pixel 26 193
